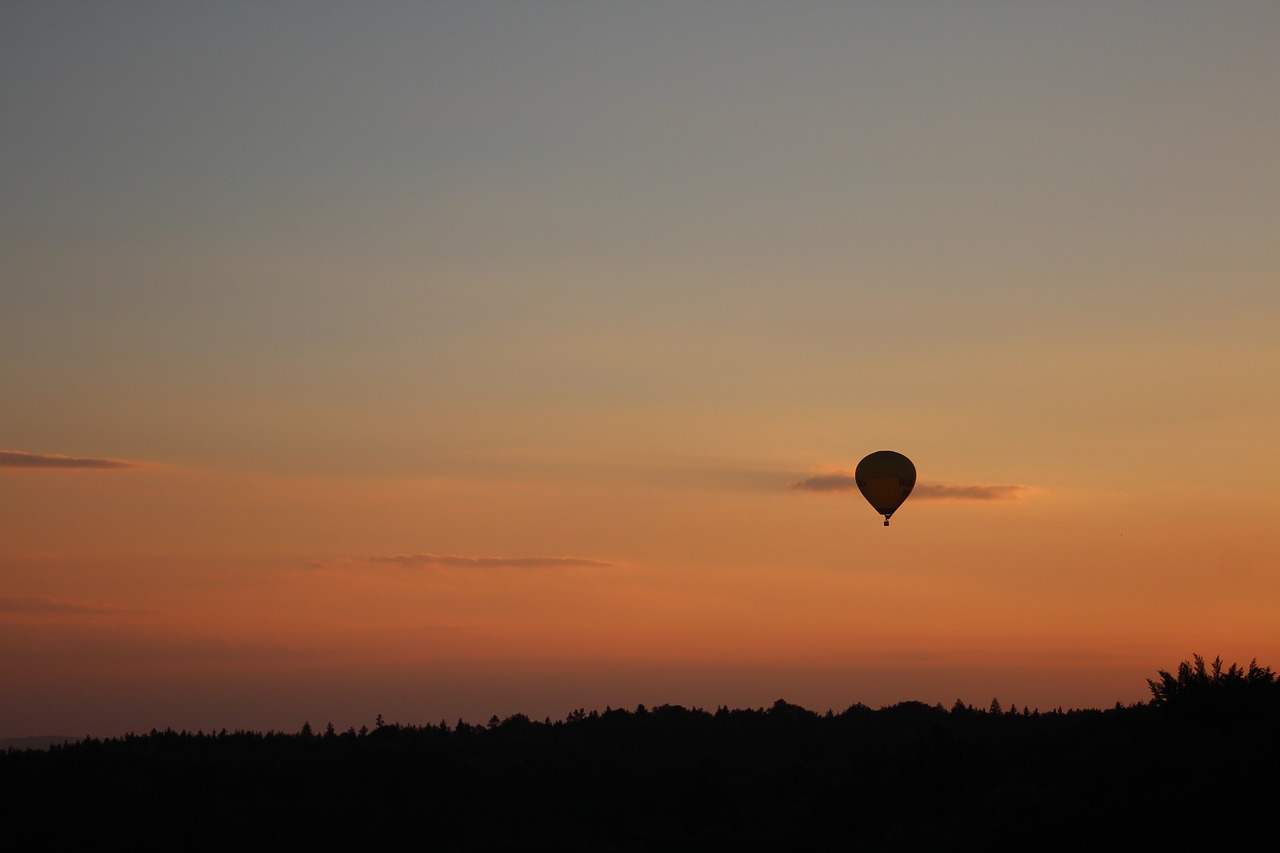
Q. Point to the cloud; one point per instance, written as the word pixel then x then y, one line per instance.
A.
pixel 452 561
pixel 21 459
pixel 95 647
pixel 827 483
pixel 36 604
pixel 839 481
pixel 952 492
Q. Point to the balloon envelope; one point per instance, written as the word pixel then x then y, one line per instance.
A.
pixel 885 478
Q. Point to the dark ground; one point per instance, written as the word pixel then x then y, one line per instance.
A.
pixel 906 777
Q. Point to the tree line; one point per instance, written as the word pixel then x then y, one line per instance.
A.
pixel 909 776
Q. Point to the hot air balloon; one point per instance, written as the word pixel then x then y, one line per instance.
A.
pixel 885 478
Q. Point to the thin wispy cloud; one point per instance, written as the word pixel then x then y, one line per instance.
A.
pixel 22 459
pixel 953 492
pixel 458 561
pixel 40 605
pixel 840 481
pixel 827 483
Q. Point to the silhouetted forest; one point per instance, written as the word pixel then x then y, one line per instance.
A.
pixel 1195 767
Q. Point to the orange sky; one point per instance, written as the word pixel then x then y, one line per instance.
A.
pixel 144 592
pixel 472 369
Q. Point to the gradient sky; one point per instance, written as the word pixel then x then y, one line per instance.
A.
pixel 455 359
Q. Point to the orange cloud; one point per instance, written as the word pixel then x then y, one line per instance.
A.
pixel 465 562
pixel 835 482
pixel 21 459
pixel 843 482
pixel 952 492
pixel 35 604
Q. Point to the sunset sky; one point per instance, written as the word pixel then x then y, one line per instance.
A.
pixel 450 359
